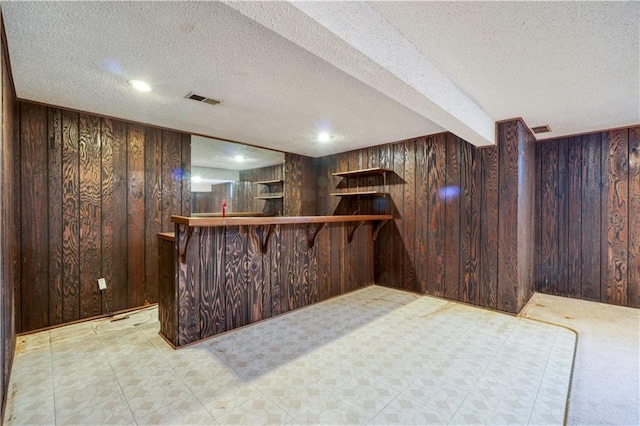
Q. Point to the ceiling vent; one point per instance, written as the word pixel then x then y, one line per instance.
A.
pixel 199 98
pixel 541 129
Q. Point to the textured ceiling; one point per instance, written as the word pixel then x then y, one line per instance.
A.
pixel 574 65
pixel 273 93
pixel 367 72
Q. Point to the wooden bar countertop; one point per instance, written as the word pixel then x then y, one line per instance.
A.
pixel 273 220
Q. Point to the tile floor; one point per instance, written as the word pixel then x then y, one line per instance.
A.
pixel 375 356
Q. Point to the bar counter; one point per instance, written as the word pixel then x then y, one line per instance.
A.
pixel 217 274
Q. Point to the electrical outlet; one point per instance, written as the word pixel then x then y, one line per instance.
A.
pixel 102 284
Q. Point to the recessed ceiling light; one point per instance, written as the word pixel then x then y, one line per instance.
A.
pixel 324 137
pixel 140 85
pixel 239 158
pixel 196 179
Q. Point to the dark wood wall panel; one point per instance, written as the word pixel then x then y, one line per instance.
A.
pixel 634 217
pixel 591 227
pixel 70 218
pixel 155 220
pixel 616 226
pixel 33 206
pixel 574 217
pixel 549 199
pixel 436 214
pixel 508 208
pixel 488 273
pixel 90 215
pixel 114 196
pixel 96 197
pixel 409 209
pixel 469 226
pixel 450 194
pixel 9 224
pixel 591 216
pixel 55 216
pixel 444 196
pixel 136 214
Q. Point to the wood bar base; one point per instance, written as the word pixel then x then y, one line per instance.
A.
pixel 220 274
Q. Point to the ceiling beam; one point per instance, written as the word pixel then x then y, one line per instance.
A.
pixel 357 40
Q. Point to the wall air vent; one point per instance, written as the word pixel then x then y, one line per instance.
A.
pixel 541 129
pixel 199 98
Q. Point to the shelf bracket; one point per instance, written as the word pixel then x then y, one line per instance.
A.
pixel 183 255
pixel 353 231
pixel 265 243
pixel 378 227
pixel 312 240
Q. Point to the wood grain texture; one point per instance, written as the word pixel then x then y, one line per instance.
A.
pixel 591 216
pixel 185 158
pixel 549 215
pixel 508 208
pixel 252 266
pixel 469 223
pixel 35 263
pixel 223 269
pixel 292 185
pixel 70 218
pixel 451 195
pixel 235 278
pixel 422 209
pixel 487 292
pixel 275 270
pixel 153 196
pixel 616 220
pixel 114 196
pixel 436 218
pixel 382 259
pixel 93 193
pixel 90 215
pixel 189 287
pixel 396 194
pixel 574 191
pixel 409 209
pixel 212 289
pixel 171 177
pixel 634 217
pixel 564 223
pixel 167 290
pixel 9 232
pixel 55 216
pixel 135 215
pixel 526 217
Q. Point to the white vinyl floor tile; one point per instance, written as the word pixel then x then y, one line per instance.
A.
pixel 374 356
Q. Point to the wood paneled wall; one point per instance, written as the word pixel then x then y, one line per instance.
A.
pixel 587 229
pixel 211 202
pixel 456 211
pixel 226 282
pixel 248 191
pixel 241 195
pixel 300 194
pixel 9 236
pixel 94 193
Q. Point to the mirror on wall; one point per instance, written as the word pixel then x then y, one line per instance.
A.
pixel 248 180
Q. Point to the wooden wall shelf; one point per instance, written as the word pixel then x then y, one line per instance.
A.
pixel 269 196
pixel 362 172
pixel 269 182
pixel 360 193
